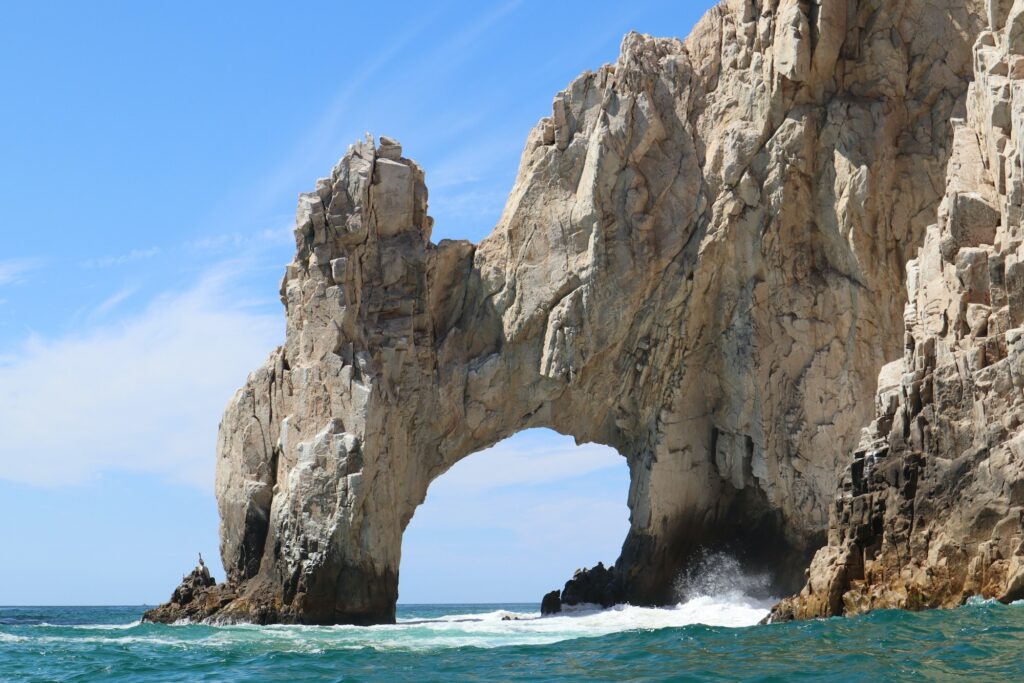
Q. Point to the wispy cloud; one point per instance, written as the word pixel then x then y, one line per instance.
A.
pixel 301 165
pixel 112 302
pixel 469 205
pixel 538 457
pixel 462 41
pixel 143 393
pixel 466 163
pixel 14 270
pixel 330 130
pixel 242 240
pixel 122 259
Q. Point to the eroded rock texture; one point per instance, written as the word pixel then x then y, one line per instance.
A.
pixel 930 511
pixel 198 597
pixel 701 264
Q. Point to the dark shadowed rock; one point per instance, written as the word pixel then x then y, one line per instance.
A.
pixel 599 585
pixel 552 603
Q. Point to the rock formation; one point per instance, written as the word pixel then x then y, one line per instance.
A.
pixel 198 597
pixel 551 603
pixel 701 264
pixel 930 511
pixel 599 585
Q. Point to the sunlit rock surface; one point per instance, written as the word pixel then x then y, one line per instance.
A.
pixel 930 511
pixel 701 264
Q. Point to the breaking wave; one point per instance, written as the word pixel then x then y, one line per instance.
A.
pixel 698 639
pixel 420 628
pixel 720 575
pixel 496 628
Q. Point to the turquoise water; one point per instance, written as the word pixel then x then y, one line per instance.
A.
pixel 474 643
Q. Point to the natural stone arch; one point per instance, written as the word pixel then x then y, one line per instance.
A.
pixel 696 266
pixel 405 357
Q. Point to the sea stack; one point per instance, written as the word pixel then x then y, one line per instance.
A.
pixel 704 263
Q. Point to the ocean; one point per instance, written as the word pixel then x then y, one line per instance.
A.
pixel 704 639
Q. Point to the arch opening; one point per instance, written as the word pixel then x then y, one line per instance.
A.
pixel 507 523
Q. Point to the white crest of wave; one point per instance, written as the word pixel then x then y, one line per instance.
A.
pixel 716 594
pixel 91 627
pixel 484 630
pixel 720 574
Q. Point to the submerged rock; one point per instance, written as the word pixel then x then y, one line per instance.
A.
pixel 700 265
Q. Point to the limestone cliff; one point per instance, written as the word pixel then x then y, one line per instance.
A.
pixel 701 264
pixel 930 511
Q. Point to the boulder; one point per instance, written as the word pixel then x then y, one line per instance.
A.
pixel 551 604
pixel 599 585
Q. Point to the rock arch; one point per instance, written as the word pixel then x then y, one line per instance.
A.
pixel 492 529
pixel 700 265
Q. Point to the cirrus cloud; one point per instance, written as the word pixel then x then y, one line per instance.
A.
pixel 14 270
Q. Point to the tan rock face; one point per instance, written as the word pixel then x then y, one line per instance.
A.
pixel 930 511
pixel 701 264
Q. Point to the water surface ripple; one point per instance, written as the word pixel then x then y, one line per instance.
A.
pixel 705 639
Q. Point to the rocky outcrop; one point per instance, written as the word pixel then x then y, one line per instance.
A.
pixel 598 585
pixel 198 598
pixel 930 511
pixel 551 603
pixel 701 264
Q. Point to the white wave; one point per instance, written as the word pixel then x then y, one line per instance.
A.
pixel 719 595
pixel 715 592
pixel 91 627
pixel 102 640
pixel 503 628
pixel 484 630
pixel 978 601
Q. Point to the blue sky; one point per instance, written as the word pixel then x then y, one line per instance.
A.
pixel 150 159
